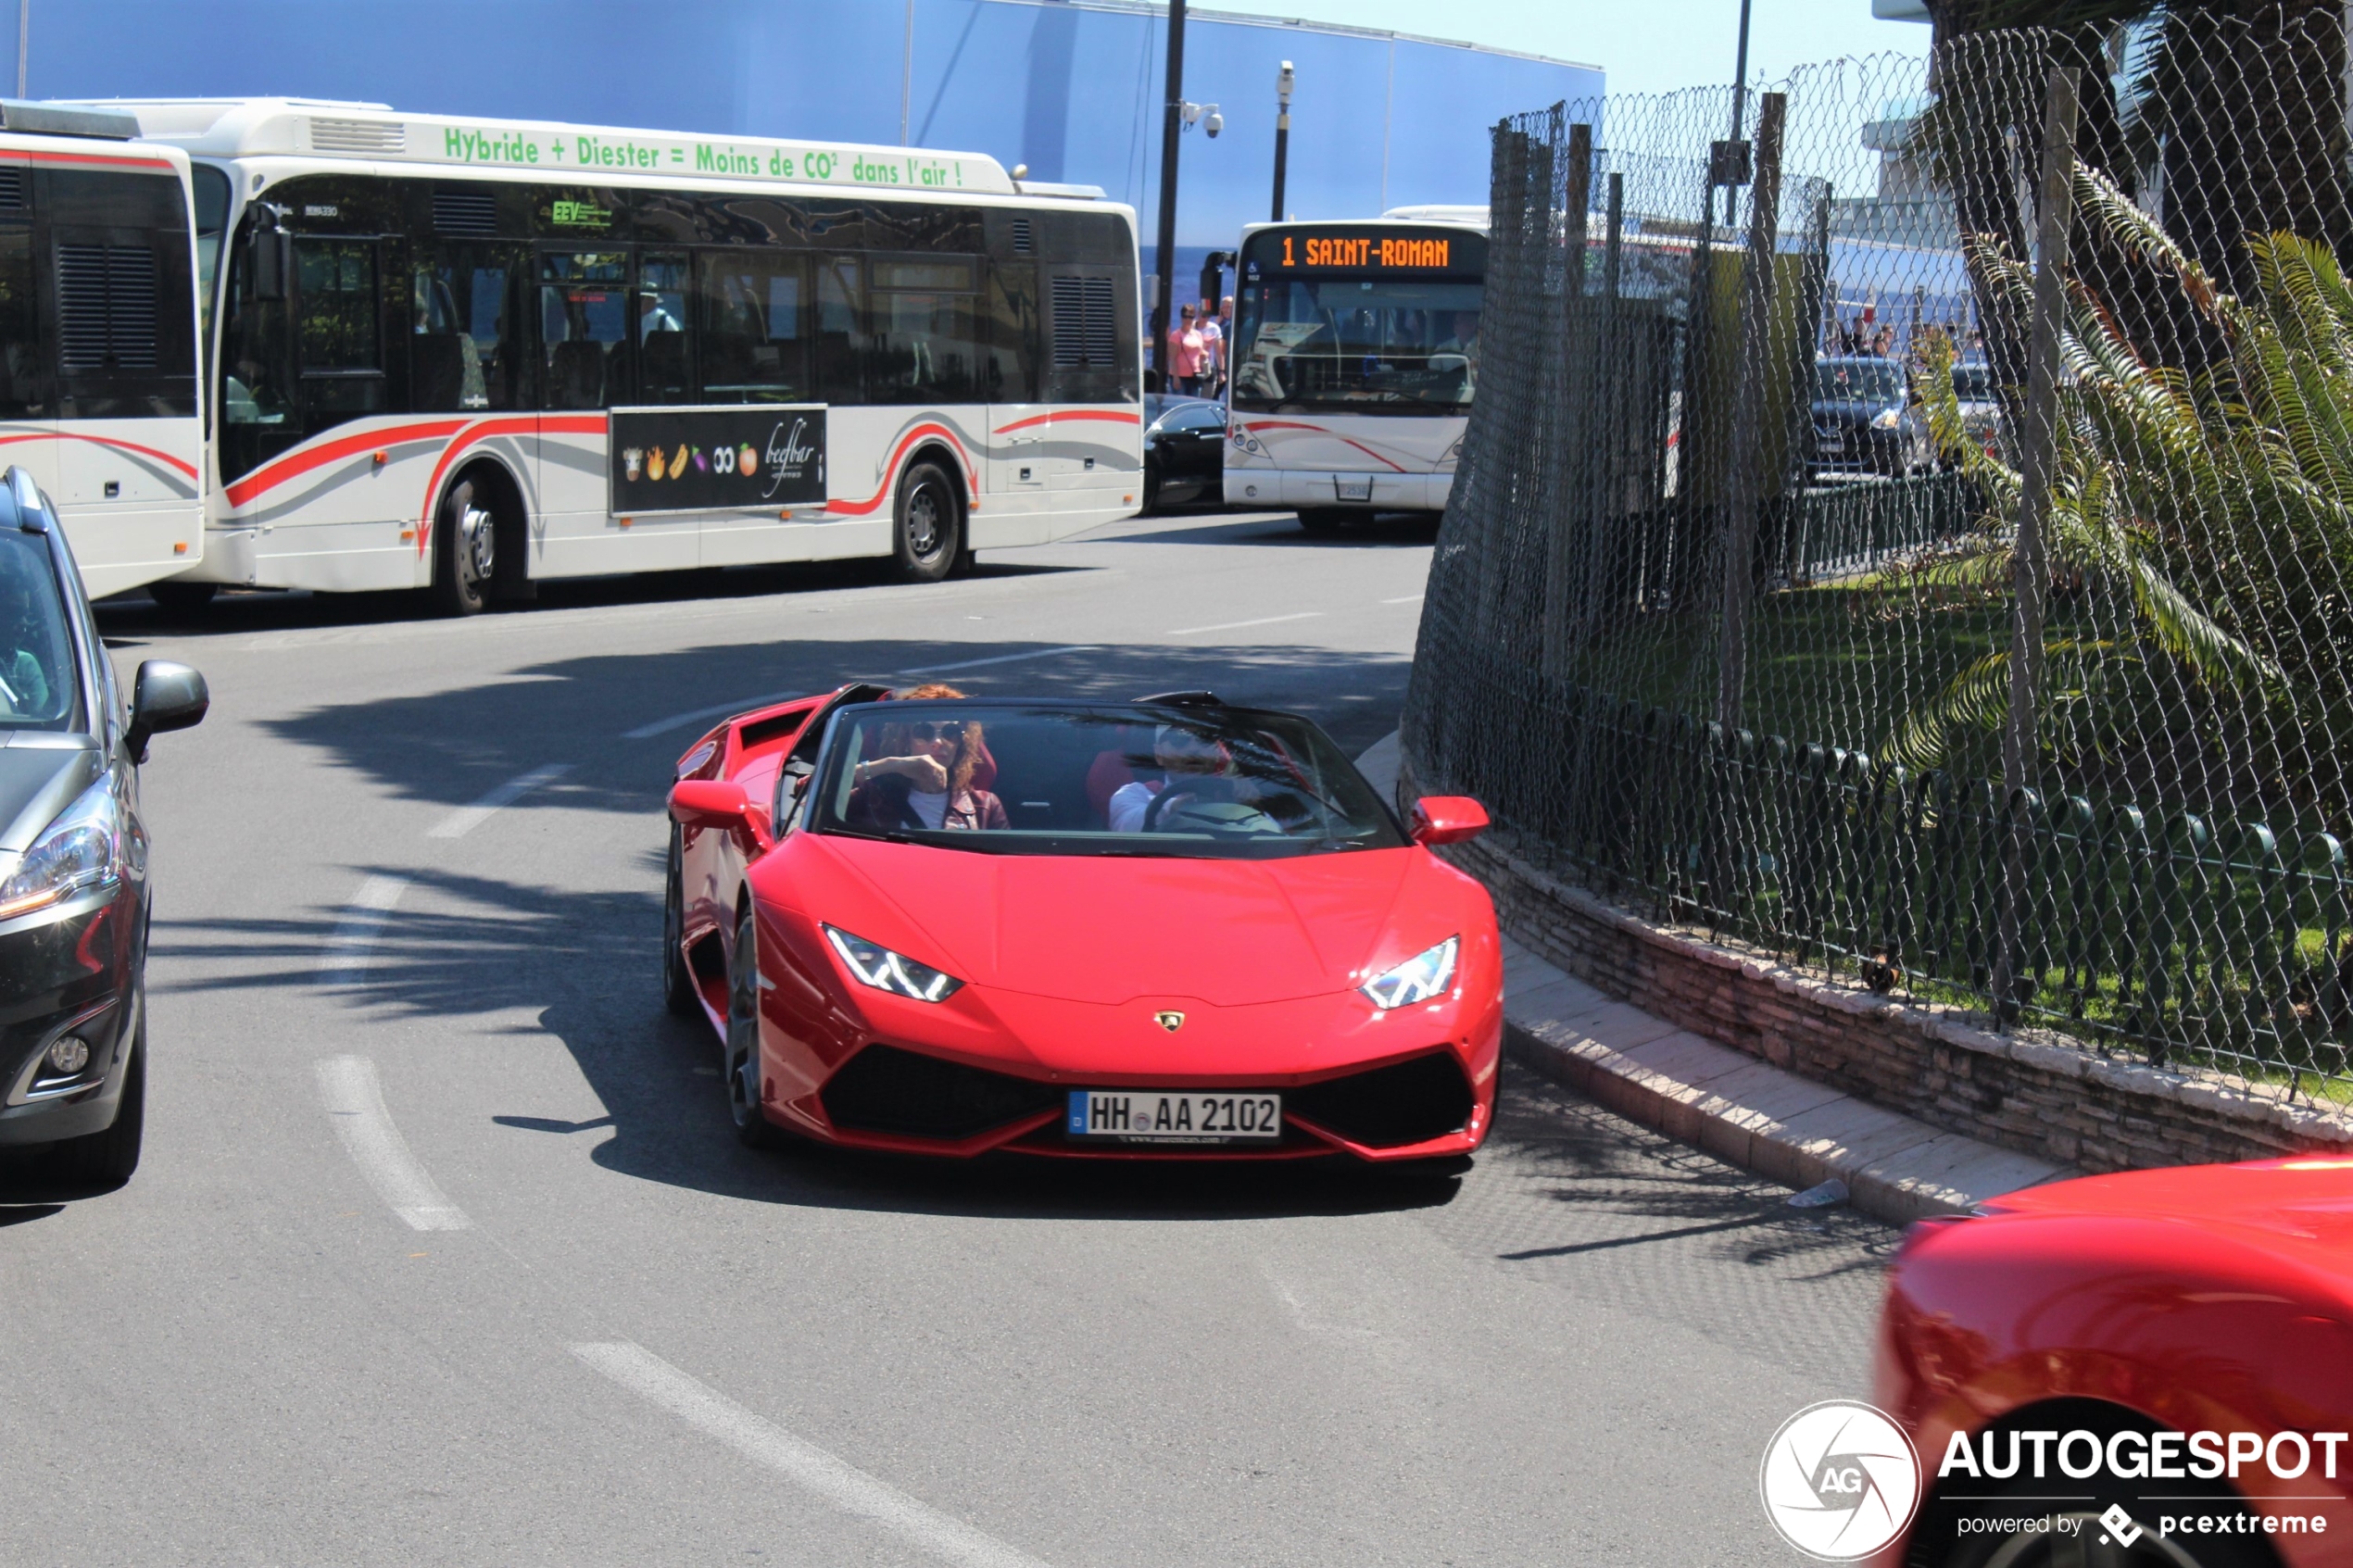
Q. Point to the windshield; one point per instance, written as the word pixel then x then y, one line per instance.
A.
pixel 1858 381
pixel 1218 783
pixel 37 688
pixel 1364 346
pixel 1973 384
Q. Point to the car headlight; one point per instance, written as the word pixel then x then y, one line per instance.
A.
pixel 81 848
pixel 1887 419
pixel 1421 978
pixel 874 964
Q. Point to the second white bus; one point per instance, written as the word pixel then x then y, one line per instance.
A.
pixel 471 356
pixel 1355 355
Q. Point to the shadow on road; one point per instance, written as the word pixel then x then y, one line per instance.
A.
pixel 583 965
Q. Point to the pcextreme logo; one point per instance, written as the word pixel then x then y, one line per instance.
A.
pixel 1840 1480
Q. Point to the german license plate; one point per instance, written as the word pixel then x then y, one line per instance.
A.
pixel 1151 1116
pixel 1353 489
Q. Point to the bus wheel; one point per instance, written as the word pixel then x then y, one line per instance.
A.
pixel 465 545
pixel 181 599
pixel 930 532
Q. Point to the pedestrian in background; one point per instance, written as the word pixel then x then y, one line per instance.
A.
pixel 1213 350
pixel 1184 354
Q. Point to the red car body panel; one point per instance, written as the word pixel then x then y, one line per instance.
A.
pixel 2201 1299
pixel 1066 960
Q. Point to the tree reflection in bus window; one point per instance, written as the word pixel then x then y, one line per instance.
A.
pixel 584 320
pixel 460 349
pixel 662 365
pixel 754 345
pixel 338 285
pixel 925 340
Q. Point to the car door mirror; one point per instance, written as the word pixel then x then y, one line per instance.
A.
pixel 1447 818
pixel 709 803
pixel 166 696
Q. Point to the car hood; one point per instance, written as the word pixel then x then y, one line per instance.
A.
pixel 1850 413
pixel 2298 1209
pixel 41 772
pixel 1229 933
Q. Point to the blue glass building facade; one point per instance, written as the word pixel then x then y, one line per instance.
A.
pixel 1072 88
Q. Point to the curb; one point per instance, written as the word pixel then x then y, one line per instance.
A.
pixel 1745 1112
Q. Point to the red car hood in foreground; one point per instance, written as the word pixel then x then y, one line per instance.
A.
pixel 1107 930
pixel 2300 1210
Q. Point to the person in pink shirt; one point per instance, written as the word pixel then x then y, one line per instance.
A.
pixel 1185 351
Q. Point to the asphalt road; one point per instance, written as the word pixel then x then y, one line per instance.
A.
pixel 443 1251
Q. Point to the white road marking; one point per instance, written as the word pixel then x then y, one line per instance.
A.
pixel 765 1443
pixel 717 710
pixel 1237 625
pixel 355 1103
pixel 1408 599
pixel 1000 658
pixel 351 948
pixel 467 818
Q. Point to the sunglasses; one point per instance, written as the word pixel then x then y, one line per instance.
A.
pixel 934 732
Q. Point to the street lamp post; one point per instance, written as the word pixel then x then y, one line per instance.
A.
pixel 1283 82
pixel 1172 126
pixel 1739 109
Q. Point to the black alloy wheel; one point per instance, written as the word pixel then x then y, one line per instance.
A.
pixel 1322 519
pixel 928 540
pixel 109 1157
pixel 1151 485
pixel 753 1129
pixel 677 980
pixel 465 548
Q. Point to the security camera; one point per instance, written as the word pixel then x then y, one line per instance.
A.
pixel 1215 124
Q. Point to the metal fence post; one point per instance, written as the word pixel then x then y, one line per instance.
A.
pixel 1746 495
pixel 2029 571
pixel 1570 523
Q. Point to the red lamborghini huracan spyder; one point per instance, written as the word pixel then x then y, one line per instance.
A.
pixel 1166 928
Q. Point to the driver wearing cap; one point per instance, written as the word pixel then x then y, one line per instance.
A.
pixel 1192 764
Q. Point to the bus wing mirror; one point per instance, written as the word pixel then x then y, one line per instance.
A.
pixel 269 263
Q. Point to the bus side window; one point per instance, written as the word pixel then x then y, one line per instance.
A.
pixel 23 379
pixel 584 321
pixel 461 353
pixel 842 344
pixel 1010 373
pixel 755 333
pixel 339 328
pixel 664 367
pixel 924 329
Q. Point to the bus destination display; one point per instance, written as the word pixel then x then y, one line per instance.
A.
pixel 723 459
pixel 1364 252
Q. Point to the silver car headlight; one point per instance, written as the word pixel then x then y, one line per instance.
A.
pixel 873 964
pixel 80 849
pixel 1887 419
pixel 1424 977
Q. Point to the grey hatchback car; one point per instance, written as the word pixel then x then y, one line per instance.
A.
pixel 73 856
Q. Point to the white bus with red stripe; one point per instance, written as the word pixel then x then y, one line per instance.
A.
pixel 1354 358
pixel 99 396
pixel 471 356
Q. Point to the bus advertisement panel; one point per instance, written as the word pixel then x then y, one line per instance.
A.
pixel 98 336
pixel 471 356
pixel 1355 356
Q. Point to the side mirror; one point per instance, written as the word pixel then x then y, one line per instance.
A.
pixel 1447 818
pixel 269 263
pixel 708 803
pixel 166 696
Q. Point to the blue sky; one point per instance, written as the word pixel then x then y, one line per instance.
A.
pixel 1645 45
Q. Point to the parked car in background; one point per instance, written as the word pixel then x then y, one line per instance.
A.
pixel 1865 419
pixel 1184 449
pixel 1981 410
pixel 73 855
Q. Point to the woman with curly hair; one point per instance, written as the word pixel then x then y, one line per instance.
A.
pixel 927 781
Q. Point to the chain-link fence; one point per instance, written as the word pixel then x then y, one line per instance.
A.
pixel 1812 578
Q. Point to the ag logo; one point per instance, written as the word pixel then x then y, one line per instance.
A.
pixel 1840 1480
pixel 1172 1021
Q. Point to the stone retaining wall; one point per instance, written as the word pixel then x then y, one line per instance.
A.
pixel 2032 1092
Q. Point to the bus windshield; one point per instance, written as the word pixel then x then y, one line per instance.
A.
pixel 1361 345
